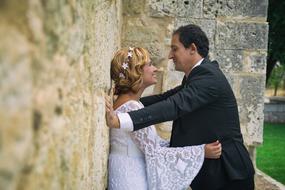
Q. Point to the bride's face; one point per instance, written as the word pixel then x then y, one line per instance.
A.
pixel 149 74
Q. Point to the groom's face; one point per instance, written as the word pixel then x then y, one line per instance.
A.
pixel 180 55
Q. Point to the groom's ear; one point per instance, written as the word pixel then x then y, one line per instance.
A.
pixel 192 49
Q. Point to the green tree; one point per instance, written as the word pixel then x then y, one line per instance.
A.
pixel 276 38
pixel 277 77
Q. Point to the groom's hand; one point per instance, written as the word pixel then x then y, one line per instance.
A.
pixel 213 150
pixel 112 119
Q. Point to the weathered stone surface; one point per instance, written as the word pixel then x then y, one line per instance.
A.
pixel 175 8
pixel 250 102
pixel 16 133
pixel 136 29
pixel 274 113
pixel 241 61
pixel 104 42
pixel 53 82
pixel 235 8
pixel 133 7
pixel 265 182
pixel 241 35
pixel 157 50
pixel 150 33
pixel 229 60
pixel 144 29
pixel 274 109
pixel 255 62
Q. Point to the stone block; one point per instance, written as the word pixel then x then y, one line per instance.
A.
pixel 157 50
pixel 265 182
pixel 16 131
pixel 274 112
pixel 175 8
pixel 67 62
pixel 229 60
pixel 99 144
pixel 235 8
pixel 255 62
pixel 133 7
pixel 102 44
pixel 141 30
pixel 251 105
pixel 240 61
pixel 241 35
pixel 149 33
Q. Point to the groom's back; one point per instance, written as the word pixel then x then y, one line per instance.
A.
pixel 217 120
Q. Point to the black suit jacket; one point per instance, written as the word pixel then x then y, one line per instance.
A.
pixel 203 110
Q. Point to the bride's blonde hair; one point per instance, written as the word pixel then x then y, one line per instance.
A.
pixel 127 69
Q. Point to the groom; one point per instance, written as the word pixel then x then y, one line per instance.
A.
pixel 203 109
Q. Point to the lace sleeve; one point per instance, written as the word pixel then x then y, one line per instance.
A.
pixel 168 167
pixel 174 168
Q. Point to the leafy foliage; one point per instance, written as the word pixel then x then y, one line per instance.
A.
pixel 277 77
pixel 276 15
pixel 276 38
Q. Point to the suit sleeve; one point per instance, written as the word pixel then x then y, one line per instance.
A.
pixel 200 90
pixel 149 100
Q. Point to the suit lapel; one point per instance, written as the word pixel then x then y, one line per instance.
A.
pixel 184 81
pixel 192 73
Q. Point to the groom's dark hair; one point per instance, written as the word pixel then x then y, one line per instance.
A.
pixel 193 34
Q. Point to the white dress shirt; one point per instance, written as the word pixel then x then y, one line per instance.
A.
pixel 125 120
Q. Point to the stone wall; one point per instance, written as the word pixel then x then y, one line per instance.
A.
pixel 274 110
pixel 54 56
pixel 265 182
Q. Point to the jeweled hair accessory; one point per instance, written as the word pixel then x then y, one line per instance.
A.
pixel 125 64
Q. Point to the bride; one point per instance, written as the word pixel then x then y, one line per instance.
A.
pixel 141 159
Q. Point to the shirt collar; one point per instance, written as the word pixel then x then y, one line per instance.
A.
pixel 198 63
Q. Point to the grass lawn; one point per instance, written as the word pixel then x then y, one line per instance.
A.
pixel 270 156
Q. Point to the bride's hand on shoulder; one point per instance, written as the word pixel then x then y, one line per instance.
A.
pixel 213 150
pixel 112 119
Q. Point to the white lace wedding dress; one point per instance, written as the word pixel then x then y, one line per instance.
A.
pixel 141 160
